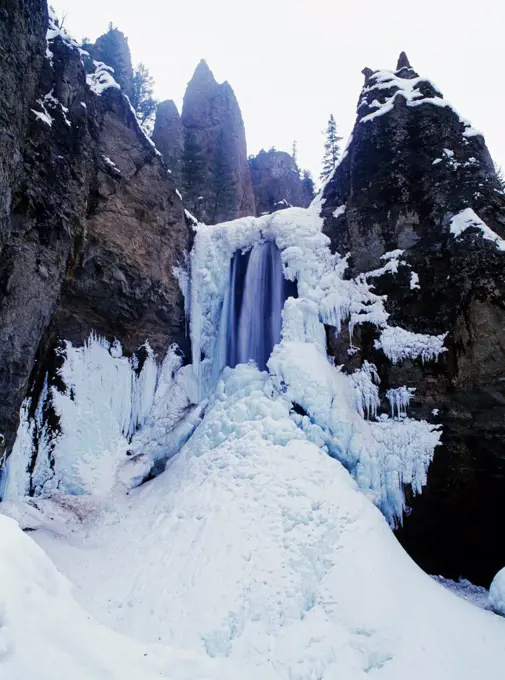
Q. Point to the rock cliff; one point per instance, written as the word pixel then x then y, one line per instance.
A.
pixel 91 225
pixel 418 179
pixel 216 177
pixel 276 181
pixel 169 138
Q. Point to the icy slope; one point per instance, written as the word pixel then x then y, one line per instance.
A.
pixel 256 547
pixel 45 634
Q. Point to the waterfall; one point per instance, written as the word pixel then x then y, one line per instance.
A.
pixel 256 297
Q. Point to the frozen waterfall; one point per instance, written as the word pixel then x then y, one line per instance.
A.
pixel 256 298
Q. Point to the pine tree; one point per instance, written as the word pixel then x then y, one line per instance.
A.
pixel 193 173
pixel 142 100
pixel 331 148
pixel 223 180
pixel 308 186
pixel 294 153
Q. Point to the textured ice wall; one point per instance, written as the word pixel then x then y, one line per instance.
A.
pixel 384 454
pixel 106 401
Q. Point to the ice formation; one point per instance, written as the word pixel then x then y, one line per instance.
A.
pixel 399 399
pixel 399 344
pixel 341 410
pixel 262 290
pixel 107 400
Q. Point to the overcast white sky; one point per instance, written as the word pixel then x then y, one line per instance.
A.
pixel 293 62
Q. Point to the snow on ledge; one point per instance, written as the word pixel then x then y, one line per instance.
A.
pixel 399 344
pixel 468 218
pixel 102 78
pixel 407 88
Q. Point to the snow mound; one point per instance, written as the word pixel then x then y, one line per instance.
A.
pixel 256 549
pixel 45 634
pixel 477 595
pixel 497 593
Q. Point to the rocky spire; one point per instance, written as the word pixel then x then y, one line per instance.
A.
pixel 418 178
pixel 112 48
pixel 216 177
pixel 168 137
pixel 403 62
pixel 403 67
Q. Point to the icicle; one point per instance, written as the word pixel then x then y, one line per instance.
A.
pixel 399 399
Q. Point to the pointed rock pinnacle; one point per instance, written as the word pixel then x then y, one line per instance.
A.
pixel 403 62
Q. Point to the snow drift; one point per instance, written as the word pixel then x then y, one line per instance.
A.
pixel 256 549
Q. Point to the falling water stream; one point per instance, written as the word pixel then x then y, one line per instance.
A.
pixel 256 297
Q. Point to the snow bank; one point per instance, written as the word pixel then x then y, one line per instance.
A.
pixel 477 595
pixel 257 550
pixel 45 634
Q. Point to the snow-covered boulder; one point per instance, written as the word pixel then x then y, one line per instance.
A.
pixel 497 593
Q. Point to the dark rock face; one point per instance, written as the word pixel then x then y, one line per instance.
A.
pixel 412 165
pixel 168 137
pixel 276 182
pixel 112 49
pixel 94 225
pixel 22 36
pixel 216 177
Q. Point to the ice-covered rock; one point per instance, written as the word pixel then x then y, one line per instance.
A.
pixel 497 593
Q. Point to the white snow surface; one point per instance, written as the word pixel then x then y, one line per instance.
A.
pixel 254 550
pixel 468 218
pixel 414 281
pixel 45 634
pixel 102 78
pixel 477 595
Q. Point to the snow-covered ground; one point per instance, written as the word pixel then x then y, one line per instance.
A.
pixel 256 552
